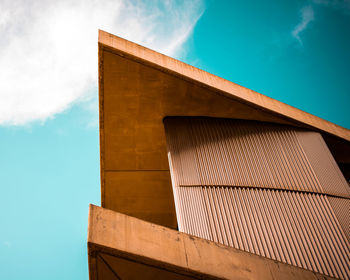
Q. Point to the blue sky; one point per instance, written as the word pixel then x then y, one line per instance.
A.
pixel 293 51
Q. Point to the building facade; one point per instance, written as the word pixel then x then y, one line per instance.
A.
pixel 204 179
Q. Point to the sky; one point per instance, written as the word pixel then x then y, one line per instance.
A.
pixel 294 51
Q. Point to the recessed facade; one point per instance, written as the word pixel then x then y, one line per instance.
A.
pixel 202 178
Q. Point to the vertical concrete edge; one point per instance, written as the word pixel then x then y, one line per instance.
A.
pixel 92 261
pixel 101 116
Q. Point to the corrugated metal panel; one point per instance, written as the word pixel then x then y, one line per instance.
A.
pixel 224 152
pixel 261 188
pixel 291 227
pixel 341 207
pixel 323 163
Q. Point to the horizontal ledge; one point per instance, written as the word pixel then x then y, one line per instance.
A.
pixel 123 238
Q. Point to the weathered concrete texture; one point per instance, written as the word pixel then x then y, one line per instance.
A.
pixel 123 247
pixel 141 194
pixel 138 88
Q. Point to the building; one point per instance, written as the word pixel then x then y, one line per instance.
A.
pixel 188 157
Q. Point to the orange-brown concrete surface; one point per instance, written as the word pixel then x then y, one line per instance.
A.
pixel 137 89
pixel 123 247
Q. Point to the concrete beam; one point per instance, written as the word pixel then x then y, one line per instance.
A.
pixel 124 247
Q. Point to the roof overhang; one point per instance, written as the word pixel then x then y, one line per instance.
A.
pixel 138 87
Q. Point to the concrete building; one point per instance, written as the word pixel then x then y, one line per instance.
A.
pixel 205 179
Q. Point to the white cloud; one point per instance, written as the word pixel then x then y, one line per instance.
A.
pixel 48 50
pixel 307 15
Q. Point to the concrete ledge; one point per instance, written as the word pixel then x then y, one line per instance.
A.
pixel 123 247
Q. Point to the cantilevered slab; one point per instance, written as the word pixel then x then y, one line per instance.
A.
pixel 123 247
pixel 138 88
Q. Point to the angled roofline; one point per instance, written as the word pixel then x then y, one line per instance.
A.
pixel 229 89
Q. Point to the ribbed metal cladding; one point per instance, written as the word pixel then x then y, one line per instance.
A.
pixel 269 189
pixel 323 163
pixel 291 227
pixel 341 207
pixel 213 152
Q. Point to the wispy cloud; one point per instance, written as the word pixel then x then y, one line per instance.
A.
pixel 341 5
pixel 48 50
pixel 7 243
pixel 307 15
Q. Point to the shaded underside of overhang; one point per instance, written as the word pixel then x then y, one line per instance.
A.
pixel 137 89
